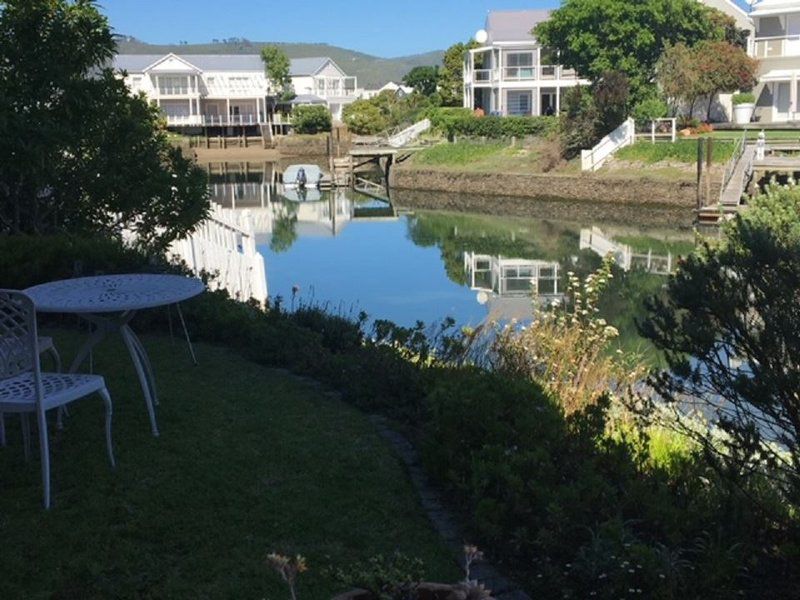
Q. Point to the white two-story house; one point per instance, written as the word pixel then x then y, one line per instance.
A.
pixel 320 80
pixel 228 90
pixel 511 73
pixel 777 47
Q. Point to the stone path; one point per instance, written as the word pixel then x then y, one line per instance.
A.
pixel 443 522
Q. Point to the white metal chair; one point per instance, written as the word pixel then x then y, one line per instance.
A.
pixel 25 389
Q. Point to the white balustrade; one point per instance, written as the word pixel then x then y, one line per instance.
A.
pixel 622 136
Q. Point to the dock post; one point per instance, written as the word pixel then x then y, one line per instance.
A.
pixel 699 169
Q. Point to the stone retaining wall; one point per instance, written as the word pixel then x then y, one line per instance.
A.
pixel 639 191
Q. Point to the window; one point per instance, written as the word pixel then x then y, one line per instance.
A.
pixel 519 59
pixel 518 103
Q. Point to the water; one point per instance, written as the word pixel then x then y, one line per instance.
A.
pixel 350 253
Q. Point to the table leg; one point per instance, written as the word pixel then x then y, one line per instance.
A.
pixel 127 336
pixel 148 369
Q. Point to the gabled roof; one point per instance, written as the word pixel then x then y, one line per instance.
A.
pixel 513 25
pixel 139 63
pixel 774 7
pixel 310 66
pixel 172 63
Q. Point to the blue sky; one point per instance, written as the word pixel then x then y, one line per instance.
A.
pixel 385 28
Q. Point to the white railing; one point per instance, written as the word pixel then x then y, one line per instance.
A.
pixel 657 131
pixel 528 73
pixel 597 241
pixel 182 90
pixel 519 73
pixel 214 120
pixel 622 136
pixel 776 46
pixel 484 75
pixel 224 245
pixel 409 133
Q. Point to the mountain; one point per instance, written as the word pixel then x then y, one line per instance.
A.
pixel 372 71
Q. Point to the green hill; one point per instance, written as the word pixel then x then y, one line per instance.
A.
pixel 372 71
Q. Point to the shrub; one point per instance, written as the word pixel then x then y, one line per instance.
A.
pixel 462 122
pixel 649 110
pixel 311 118
pixel 744 98
pixel 364 117
pixel 578 122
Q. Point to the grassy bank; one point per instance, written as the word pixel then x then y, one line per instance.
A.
pixel 681 151
pixel 249 461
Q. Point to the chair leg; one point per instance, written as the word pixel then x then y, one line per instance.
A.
pixel 44 456
pixel 109 412
pixel 26 435
pixel 63 411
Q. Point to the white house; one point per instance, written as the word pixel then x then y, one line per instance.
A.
pixel 511 73
pixel 397 89
pixel 777 47
pixel 319 79
pixel 206 90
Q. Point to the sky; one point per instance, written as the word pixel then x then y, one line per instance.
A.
pixel 386 28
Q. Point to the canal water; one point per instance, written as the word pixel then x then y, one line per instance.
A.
pixel 349 253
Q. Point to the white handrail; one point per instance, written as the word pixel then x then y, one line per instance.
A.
pixel 622 136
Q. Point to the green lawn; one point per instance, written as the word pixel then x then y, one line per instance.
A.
pixel 249 461
pixel 681 151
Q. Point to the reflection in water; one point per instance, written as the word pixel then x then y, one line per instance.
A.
pixel 344 250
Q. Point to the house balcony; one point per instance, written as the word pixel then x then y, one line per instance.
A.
pixel 776 47
pixel 518 74
pixel 215 120
pixel 175 91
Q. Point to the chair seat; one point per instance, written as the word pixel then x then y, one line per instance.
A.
pixel 18 394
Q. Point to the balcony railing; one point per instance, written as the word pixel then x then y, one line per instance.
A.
pixel 519 73
pixel 214 120
pixel 531 73
pixel 773 47
pixel 182 90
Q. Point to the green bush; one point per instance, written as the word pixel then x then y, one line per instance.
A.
pixel 649 110
pixel 462 122
pixel 311 118
pixel 684 151
pixel 744 98
pixel 364 117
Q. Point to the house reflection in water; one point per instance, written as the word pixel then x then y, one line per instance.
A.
pixel 625 256
pixel 509 286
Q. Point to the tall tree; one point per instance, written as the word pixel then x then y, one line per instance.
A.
pixel 451 75
pixel 596 36
pixel 723 67
pixel 678 76
pixel 78 153
pixel 277 68
pixel 424 80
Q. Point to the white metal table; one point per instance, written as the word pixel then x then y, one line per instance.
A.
pixel 110 302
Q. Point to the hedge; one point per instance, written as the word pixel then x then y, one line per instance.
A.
pixel 462 122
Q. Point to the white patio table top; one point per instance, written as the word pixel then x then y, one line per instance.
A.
pixel 110 302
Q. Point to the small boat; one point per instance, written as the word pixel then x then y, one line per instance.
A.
pixel 304 176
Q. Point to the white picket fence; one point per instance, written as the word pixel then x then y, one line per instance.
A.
pixel 622 136
pixel 224 245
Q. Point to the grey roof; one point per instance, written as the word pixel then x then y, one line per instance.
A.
pixel 513 25
pixel 136 63
pixel 307 66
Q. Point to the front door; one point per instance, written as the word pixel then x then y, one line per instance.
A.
pixel 783 101
pixel 548 105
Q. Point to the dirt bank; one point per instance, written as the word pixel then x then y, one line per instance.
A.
pixel 631 191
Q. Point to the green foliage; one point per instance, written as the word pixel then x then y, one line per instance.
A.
pixel 611 99
pixel 424 80
pixel 683 151
pixel 311 118
pixel 578 122
pixel 451 75
pixel 284 233
pixel 364 117
pixel 276 67
pixel 650 109
pixel 394 577
pixel 77 152
pixel 462 122
pixel 595 36
pixel 744 98
pixel 737 297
